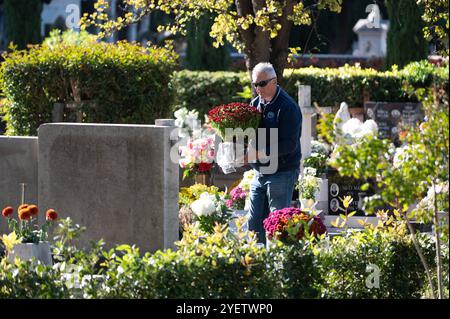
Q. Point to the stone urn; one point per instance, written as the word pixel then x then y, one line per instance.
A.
pixel 26 251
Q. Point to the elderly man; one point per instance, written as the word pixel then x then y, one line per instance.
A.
pixel 272 191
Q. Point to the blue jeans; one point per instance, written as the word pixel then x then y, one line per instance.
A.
pixel 267 194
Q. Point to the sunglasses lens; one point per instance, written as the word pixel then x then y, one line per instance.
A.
pixel 262 83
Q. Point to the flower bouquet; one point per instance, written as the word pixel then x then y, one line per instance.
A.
pixel 308 186
pixel 27 240
pixel 239 195
pixel 210 209
pixel 291 224
pixel 233 116
pixel 187 196
pixel 25 228
pixel 197 156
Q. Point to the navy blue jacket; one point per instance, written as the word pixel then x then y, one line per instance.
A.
pixel 282 113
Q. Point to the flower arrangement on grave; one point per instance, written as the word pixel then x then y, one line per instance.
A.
pixel 239 195
pixel 187 196
pixel 25 227
pixel 209 210
pixel 197 156
pixel 187 122
pixel 233 115
pixel 308 185
pixel 318 158
pixel 291 224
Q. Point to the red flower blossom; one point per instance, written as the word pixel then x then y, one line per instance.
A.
pixel 51 215
pixel 22 206
pixel 234 115
pixel 279 220
pixel 25 214
pixel 7 211
pixel 33 210
pixel 204 167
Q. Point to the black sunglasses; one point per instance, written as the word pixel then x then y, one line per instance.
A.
pixel 262 83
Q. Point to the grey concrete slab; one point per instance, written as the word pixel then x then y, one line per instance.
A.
pixel 18 164
pixel 117 180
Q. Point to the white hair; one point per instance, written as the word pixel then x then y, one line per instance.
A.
pixel 264 67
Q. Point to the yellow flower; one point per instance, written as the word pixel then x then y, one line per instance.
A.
pixel 10 240
pixel 346 201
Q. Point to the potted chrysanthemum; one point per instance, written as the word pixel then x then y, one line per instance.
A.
pixel 291 224
pixel 27 239
pixel 232 116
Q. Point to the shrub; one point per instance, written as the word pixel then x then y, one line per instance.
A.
pixel 203 90
pixel 27 280
pixel 329 86
pixel 125 82
pixel 345 263
pixel 204 266
pixel 222 265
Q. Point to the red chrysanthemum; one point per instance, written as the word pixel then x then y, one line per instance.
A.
pixel 279 220
pixel 204 167
pixel 234 115
pixel 33 210
pixel 7 211
pixel 51 215
pixel 25 214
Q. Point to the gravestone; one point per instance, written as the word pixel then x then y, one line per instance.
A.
pixel 391 116
pixel 18 165
pixel 117 180
pixel 341 186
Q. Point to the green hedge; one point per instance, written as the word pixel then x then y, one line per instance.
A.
pixel 329 86
pixel 220 266
pixel 128 83
pixel 202 90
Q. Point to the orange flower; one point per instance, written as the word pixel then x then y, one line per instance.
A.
pixel 22 206
pixel 24 214
pixel 7 211
pixel 51 215
pixel 33 210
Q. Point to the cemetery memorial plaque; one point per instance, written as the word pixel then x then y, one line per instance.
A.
pixel 391 116
pixel 341 186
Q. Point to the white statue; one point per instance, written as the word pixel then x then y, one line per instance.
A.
pixel 342 114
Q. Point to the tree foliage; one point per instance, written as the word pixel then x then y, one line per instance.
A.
pixel 260 28
pixel 405 39
pixel 23 21
pixel 435 16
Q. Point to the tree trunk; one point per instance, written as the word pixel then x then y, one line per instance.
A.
pixel 258 47
pixel 280 44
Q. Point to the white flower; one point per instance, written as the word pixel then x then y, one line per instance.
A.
pixel 310 171
pixel 370 127
pixel 205 205
pixel 318 147
pixel 354 128
pixel 405 154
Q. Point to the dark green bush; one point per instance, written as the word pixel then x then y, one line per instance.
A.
pixel 203 90
pixel 27 280
pixel 329 86
pixel 344 266
pixel 126 82
pixel 222 266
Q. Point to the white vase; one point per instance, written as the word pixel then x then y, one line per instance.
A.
pixel 26 251
pixel 306 203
